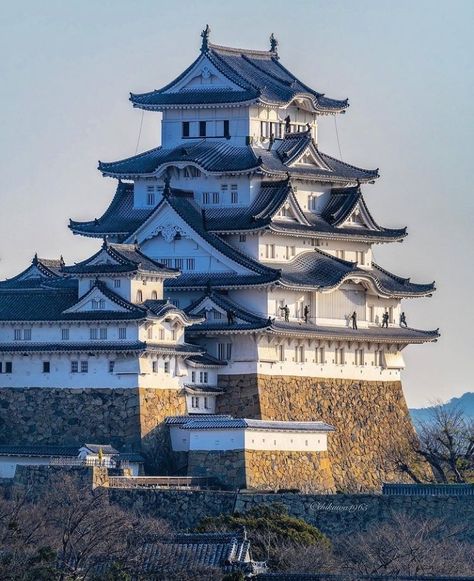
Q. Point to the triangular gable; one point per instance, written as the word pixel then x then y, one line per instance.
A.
pixel 202 75
pixel 310 156
pixel 102 257
pixel 166 224
pixel 290 210
pixel 216 310
pixel 359 217
pixel 96 300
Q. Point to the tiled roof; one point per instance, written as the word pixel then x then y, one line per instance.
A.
pixel 106 448
pixel 39 270
pixel 213 423
pixel 13 450
pixel 161 308
pixel 181 420
pixel 35 304
pixel 205 360
pixel 321 270
pixel 120 218
pixel 259 76
pixel 218 280
pixel 202 389
pixel 220 157
pixel 215 156
pixel 220 550
pixel 126 258
pixel 99 346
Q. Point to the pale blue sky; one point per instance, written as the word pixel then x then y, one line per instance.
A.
pixel 67 67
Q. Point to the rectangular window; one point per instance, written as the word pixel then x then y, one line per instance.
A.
pixel 190 263
pixel 206 402
pixel 281 352
pixel 340 254
pixel 202 129
pixel 193 376
pixel 1 367
pixel 154 366
pixel 224 187
pixel 103 333
pixel 167 262
pixel 372 314
pixel 359 357
pixel 117 283
pixel 84 367
pixel 111 366
pixel 269 251
pixel 319 355
pixel 242 238
pixel 215 197
pixel 17 334
pixel 46 367
pixel 150 199
pixel 226 128
pixel 194 402
pixel 234 197
pixel 203 377
pixel 74 366
pixel 149 333
pixel 178 263
pixel 185 129
pixel 162 334
pixel 379 358
pixel 27 334
pixel 65 334
pixel 93 334
pixel 122 333
pixel 167 366
pixel 299 354
pixel 8 367
pixel 173 335
pixel 339 356
pixel 290 252
pixel 360 257
pixel 206 197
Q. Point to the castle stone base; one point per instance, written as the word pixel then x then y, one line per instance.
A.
pixel 265 470
pixel 370 418
pixel 130 418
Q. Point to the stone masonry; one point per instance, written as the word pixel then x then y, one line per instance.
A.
pixel 370 418
pixel 264 470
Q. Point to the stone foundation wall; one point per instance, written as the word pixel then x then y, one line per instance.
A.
pixel 274 470
pixel 127 418
pixel 370 418
pixel 264 470
pixel 227 466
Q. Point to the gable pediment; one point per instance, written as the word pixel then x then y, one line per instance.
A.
pixel 213 312
pixel 359 217
pixel 167 236
pixel 95 301
pixel 203 76
pixel 311 158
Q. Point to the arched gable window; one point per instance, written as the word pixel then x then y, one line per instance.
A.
pixel 139 296
pixel 154 295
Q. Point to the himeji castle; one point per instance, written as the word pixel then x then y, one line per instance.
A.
pixel 236 267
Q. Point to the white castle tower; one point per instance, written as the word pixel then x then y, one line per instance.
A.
pixel 274 242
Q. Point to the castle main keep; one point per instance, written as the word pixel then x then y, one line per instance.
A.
pixel 235 282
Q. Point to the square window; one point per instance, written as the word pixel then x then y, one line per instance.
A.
pixel 84 366
pixel 46 367
pixel 117 283
pixel 27 334
pixel 242 238
pixel 74 366
pixel 93 334
pixel 190 264
pixel 103 333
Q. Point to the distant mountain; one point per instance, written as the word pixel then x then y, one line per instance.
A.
pixel 465 403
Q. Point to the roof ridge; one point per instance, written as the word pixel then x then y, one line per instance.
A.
pixel 241 51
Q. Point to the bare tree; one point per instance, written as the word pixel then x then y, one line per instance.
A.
pixel 406 546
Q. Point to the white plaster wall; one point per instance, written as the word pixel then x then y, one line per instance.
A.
pixel 171 127
pixel 216 439
pixel 285 441
pixel 201 400
pixel 78 332
pixel 277 115
pixel 8 464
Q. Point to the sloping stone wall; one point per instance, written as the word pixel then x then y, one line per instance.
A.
pixel 128 418
pixel 274 470
pixel 264 470
pixel 370 418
